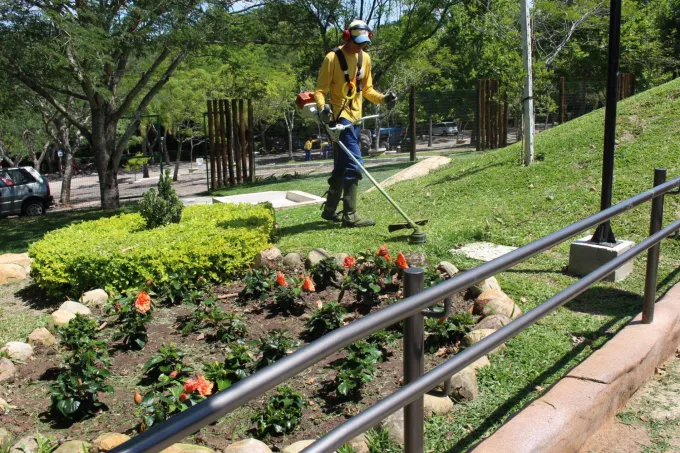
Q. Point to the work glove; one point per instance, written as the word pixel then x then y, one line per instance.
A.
pixel 326 114
pixel 390 100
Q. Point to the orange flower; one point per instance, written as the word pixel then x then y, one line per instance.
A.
pixel 143 302
pixel 308 285
pixel 349 262
pixel 173 375
pixel 281 279
pixel 401 261
pixel 190 385
pixel 138 398
pixel 183 397
pixel 382 251
pixel 149 283
pixel 204 386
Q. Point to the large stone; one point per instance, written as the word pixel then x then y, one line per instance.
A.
pixel 502 306
pixel 340 258
pixel 359 444
pixel 485 285
pixel 75 307
pixel 439 405
pixel 293 261
pixel 109 441
pixel 96 298
pixel 7 370
pixel 480 363
pixel 73 446
pixel 10 273
pixel 42 338
pixel 187 448
pixel 248 446
pixel 478 335
pixel 27 444
pixel 416 259
pixel 417 170
pixel 5 407
pixel 483 251
pixel 315 257
pixel 21 259
pixel 60 318
pixel 298 446
pixel 5 439
pixel 394 425
pixel 494 322
pixel 447 268
pixel 486 297
pixel 270 257
pixel 17 350
pixel 464 384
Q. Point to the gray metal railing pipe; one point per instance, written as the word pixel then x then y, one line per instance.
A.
pixel 185 423
pixel 410 392
pixel 414 364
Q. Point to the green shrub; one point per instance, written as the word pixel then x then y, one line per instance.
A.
pixel 282 414
pixel 163 207
pixel 215 241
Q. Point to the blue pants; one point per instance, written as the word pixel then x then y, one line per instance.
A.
pixel 308 154
pixel 343 167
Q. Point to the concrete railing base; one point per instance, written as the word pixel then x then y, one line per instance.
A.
pixel 593 392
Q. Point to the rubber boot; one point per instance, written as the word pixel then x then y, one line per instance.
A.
pixel 333 196
pixel 350 218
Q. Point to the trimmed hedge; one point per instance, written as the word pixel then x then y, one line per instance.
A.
pixel 215 241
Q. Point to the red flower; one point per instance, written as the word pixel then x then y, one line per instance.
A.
pixel 173 375
pixel 401 261
pixel 190 385
pixel 204 386
pixel 349 262
pixel 281 279
pixel 143 302
pixel 308 285
pixel 183 397
pixel 382 251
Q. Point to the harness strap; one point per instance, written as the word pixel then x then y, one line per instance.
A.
pixel 345 69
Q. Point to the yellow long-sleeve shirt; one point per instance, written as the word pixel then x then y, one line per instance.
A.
pixel 332 78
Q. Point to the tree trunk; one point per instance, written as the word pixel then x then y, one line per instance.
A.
pixel 290 143
pixel 145 166
pixel 66 180
pixel 166 155
pixel 179 155
pixel 104 149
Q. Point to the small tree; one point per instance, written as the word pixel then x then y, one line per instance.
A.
pixel 163 207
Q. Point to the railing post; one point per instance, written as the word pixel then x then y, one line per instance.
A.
pixel 414 364
pixel 655 222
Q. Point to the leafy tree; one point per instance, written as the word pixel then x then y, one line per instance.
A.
pixel 112 56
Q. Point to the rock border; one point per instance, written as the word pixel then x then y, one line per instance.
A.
pixel 593 392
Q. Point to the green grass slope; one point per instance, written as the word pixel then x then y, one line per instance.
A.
pixel 491 197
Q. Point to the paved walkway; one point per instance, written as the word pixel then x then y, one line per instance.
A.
pixel 650 422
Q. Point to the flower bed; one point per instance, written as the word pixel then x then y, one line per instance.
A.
pixel 163 357
pixel 216 241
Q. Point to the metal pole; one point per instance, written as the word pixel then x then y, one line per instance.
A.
pixel 414 364
pixel 412 121
pixel 528 95
pixel 655 223
pixel 604 232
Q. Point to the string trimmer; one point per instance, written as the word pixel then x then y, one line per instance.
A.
pixel 305 101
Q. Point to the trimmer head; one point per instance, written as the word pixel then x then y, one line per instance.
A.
pixel 417 237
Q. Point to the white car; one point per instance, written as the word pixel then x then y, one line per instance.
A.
pixel 445 129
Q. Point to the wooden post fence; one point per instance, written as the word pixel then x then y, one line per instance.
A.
pixel 491 115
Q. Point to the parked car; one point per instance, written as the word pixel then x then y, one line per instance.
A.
pixel 24 191
pixel 391 136
pixel 445 129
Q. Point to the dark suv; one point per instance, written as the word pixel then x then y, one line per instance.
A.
pixel 24 191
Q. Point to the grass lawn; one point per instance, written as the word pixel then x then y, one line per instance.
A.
pixel 491 197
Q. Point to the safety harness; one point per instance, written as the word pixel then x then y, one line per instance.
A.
pixel 352 87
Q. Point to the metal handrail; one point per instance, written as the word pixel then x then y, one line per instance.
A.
pixel 408 393
pixel 187 422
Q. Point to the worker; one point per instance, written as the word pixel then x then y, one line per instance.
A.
pixel 346 74
pixel 326 150
pixel 308 149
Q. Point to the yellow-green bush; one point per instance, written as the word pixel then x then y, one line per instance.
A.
pixel 215 241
